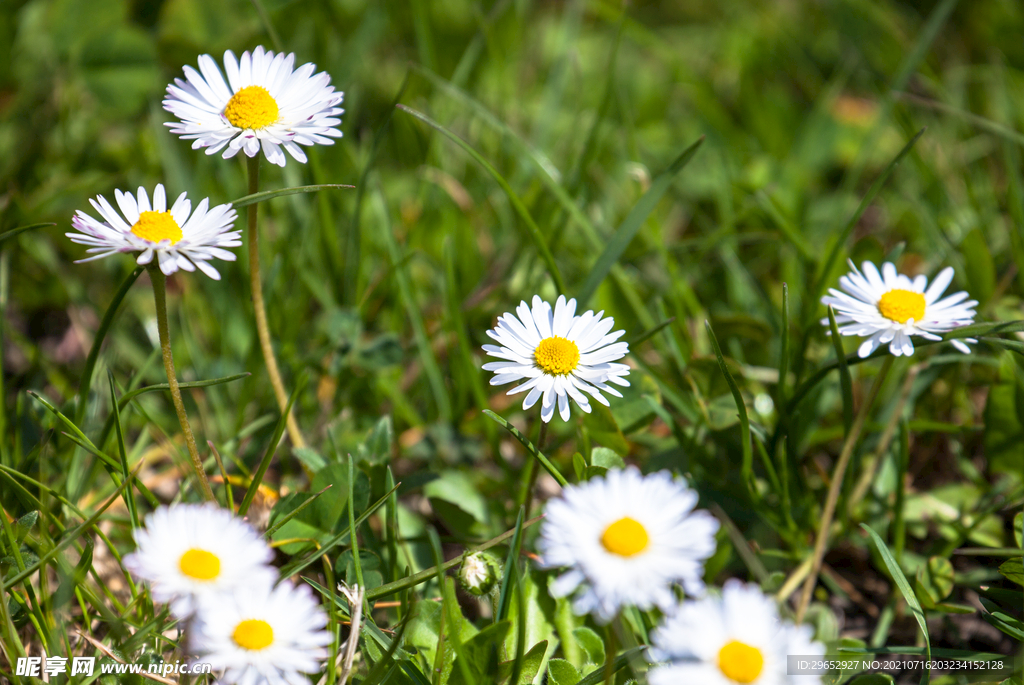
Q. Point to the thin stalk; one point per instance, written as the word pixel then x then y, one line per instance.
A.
pixel 160 296
pixel 821 543
pixel 262 330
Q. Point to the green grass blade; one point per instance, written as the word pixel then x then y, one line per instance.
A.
pixel 532 228
pixel 293 513
pixel 844 234
pixel 300 564
pixel 903 585
pixel 428 359
pixel 129 500
pixel 22 229
pixel 780 390
pixel 265 195
pixel 352 527
pixel 741 407
pixel 533 451
pixel 67 539
pixel 353 241
pixel 628 229
pixel 132 394
pixel 427 574
pixel 845 383
pixel 511 563
pixel 261 470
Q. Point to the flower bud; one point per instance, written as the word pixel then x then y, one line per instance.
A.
pixel 478 573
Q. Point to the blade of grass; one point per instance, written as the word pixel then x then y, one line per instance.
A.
pixel 352 528
pixel 129 500
pixel 812 300
pixel 101 333
pixel 261 470
pixel 22 229
pixel 293 513
pixel 412 309
pixel 298 565
pixel 905 589
pixel 68 537
pixel 265 195
pixel 628 229
pixel 618 664
pixel 423 576
pixel 845 383
pixel 832 498
pixel 532 228
pixel 353 242
pixel 533 451
pixel 741 407
pixel 510 563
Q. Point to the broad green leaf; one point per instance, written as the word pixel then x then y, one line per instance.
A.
pixel 934 581
pixel 602 456
pixel 561 672
pixel 310 458
pixel 1013 570
pixel 482 654
pixel 592 644
pixel 456 499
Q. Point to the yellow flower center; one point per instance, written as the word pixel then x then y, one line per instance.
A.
pixel 157 226
pixel 902 305
pixel 626 537
pixel 199 564
pixel 739 662
pixel 252 107
pixel 253 634
pixel 557 356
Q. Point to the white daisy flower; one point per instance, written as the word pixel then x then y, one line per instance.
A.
pixel 264 103
pixel 190 551
pixel 734 638
pixel 890 308
pixel 179 237
pixel 258 633
pixel 560 355
pixel 626 539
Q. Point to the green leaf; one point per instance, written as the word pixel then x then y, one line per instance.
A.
pixel 1004 418
pixel 310 458
pixel 25 524
pixel 954 608
pixel 592 644
pixel 269 194
pixel 604 430
pixel 455 498
pixel 530 448
pixel 561 672
pixel 1018 528
pixel 934 581
pixel 901 582
pixel 628 229
pixel 480 653
pixel 845 382
pixel 1013 569
pixel 602 456
pixel 376 448
pixel 579 466
pixel 741 408
pixel 529 667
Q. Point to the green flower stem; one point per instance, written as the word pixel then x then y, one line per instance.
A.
pixel 160 296
pixel 262 330
pixel 821 543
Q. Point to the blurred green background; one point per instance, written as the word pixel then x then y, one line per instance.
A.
pixel 382 295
